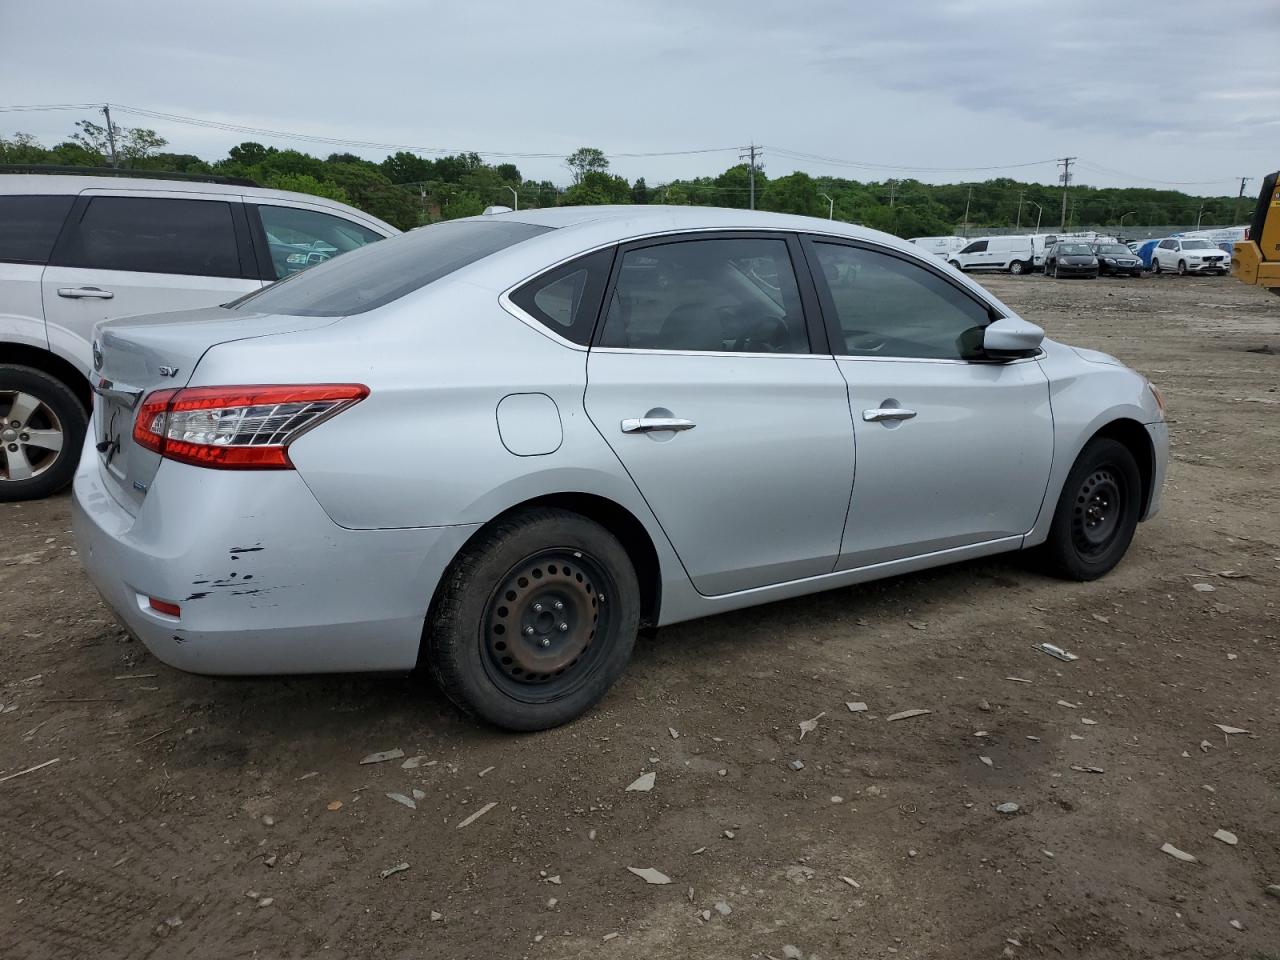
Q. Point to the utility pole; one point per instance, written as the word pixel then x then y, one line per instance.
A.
pixel 515 198
pixel 893 192
pixel 749 154
pixel 966 213
pixel 111 134
pixel 1018 225
pixel 1239 197
pixel 831 206
pixel 1065 163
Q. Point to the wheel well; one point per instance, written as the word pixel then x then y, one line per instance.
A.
pixel 1134 436
pixel 52 364
pixel 619 521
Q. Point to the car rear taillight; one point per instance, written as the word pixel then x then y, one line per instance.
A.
pixel 237 428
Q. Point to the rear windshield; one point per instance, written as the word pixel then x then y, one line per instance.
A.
pixel 376 274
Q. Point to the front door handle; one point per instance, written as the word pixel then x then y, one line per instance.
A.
pixel 85 293
pixel 881 414
pixel 653 424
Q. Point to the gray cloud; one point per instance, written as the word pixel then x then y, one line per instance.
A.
pixel 1186 96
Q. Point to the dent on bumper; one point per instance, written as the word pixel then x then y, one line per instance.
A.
pixel 266 581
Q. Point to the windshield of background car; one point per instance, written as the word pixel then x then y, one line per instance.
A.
pixel 1197 245
pixel 1075 250
pixel 378 273
pixel 1114 248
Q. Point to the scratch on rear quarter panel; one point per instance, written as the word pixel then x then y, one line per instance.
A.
pixel 198 596
pixel 247 549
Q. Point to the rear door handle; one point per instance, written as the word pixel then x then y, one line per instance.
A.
pixel 85 293
pixel 652 424
pixel 887 413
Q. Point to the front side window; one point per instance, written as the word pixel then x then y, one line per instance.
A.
pixel 297 239
pixel 1167 244
pixel 566 300
pixel 720 295
pixel 887 306
pixel 155 235
pixel 978 246
pixel 29 225
pixel 378 273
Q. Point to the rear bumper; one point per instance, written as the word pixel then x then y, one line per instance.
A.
pixel 1158 433
pixel 267 583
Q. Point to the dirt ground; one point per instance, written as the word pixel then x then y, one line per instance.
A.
pixel 190 817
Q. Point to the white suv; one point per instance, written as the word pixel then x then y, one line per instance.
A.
pixel 1189 256
pixel 78 249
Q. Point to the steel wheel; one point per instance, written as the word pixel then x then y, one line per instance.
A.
pixel 540 624
pixel 1098 513
pixel 31 436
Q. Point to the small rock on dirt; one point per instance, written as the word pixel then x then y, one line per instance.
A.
pixel 799 874
pixel 650 875
pixel 908 714
pixel 402 799
pixel 984 706
pixel 384 756
pixel 437 915
pixel 675 734
pixel 723 908
pixel 988 761
pixel 857 706
pixel 810 725
pixel 796 764
pixel 1226 836
pixel 1177 854
pixel 791 952
pixel 1237 924
pixel 1273 890
pixel 643 783
pixel 394 869
pixel 1008 807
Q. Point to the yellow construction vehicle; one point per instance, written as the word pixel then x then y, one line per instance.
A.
pixel 1256 258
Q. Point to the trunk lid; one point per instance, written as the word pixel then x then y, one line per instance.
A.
pixel 136 356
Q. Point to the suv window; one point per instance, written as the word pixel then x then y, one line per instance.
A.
pixel 887 306
pixel 29 225
pixel 720 294
pixel 378 273
pixel 978 246
pixel 297 239
pixel 154 235
pixel 1166 244
pixel 567 300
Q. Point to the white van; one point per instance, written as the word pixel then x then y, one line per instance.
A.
pixel 940 246
pixel 1014 254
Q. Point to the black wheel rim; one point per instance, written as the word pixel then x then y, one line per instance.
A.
pixel 546 627
pixel 1099 512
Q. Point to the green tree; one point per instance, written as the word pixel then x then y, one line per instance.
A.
pixel 586 160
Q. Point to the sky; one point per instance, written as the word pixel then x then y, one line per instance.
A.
pixel 939 90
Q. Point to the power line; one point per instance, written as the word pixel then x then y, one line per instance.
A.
pixel 1090 165
pixel 867 165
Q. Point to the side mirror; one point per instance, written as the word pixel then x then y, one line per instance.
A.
pixel 1010 338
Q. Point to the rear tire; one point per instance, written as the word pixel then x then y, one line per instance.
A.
pixel 37 410
pixel 534 620
pixel 1096 514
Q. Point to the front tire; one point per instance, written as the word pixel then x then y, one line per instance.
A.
pixel 1182 268
pixel 956 264
pixel 534 620
pixel 1155 266
pixel 42 427
pixel 1017 268
pixel 1097 513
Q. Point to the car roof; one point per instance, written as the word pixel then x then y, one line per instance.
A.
pixel 611 224
pixel 63 184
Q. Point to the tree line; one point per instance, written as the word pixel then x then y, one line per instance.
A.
pixel 408 190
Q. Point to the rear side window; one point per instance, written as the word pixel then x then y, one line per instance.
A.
pixel 566 300
pixel 378 273
pixel 30 225
pixel 298 239
pixel 154 235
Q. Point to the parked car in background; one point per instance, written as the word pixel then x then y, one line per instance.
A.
pixel 1117 260
pixel 1070 258
pixel 1189 256
pixel 940 246
pixel 78 249
pixel 499 445
pixel 1012 254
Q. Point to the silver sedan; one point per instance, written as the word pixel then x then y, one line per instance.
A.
pixel 498 446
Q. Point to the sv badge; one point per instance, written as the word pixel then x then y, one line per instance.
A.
pixel 168 371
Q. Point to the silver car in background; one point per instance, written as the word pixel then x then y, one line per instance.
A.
pixel 500 445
